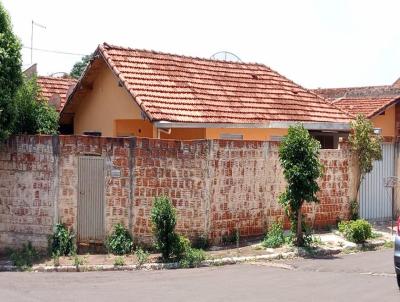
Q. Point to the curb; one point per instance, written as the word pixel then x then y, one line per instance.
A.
pixel 300 252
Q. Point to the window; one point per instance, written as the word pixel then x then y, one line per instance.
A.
pixel 327 141
pixel 231 136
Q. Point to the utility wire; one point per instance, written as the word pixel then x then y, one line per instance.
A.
pixel 55 51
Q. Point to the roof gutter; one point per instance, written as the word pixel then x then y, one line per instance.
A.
pixel 267 125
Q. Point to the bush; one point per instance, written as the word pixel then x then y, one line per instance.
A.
pixel 275 237
pixel 192 258
pixel 180 247
pixel 62 241
pixel 24 257
pixel 120 241
pixel 357 231
pixel 163 218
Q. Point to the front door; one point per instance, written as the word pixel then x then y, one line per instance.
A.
pixel 90 214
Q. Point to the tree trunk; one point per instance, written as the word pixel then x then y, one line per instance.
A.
pixel 299 232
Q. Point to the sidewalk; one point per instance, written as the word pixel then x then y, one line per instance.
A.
pixel 324 244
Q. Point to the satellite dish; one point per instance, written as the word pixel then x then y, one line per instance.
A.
pixel 60 74
pixel 225 56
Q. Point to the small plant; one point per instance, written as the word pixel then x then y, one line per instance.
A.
pixel 163 218
pixel 56 259
pixel 354 208
pixel 119 261
pixel 275 237
pixel 388 244
pixel 142 256
pixel 78 261
pixel 180 247
pixel 24 258
pixel 192 258
pixel 357 231
pixel 120 241
pixel 62 242
pixel 229 238
pixel 201 242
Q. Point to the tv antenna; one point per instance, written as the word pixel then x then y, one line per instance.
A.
pixel 38 25
pixel 225 56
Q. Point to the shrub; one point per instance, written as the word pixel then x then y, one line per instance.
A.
pixel 163 218
pixel 120 241
pixel 192 258
pixel 357 231
pixel 275 237
pixel 62 241
pixel 180 247
pixel 119 261
pixel 142 256
pixel 24 257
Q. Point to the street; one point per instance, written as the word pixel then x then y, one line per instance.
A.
pixel 365 276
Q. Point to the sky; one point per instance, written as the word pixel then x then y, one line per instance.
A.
pixel 315 43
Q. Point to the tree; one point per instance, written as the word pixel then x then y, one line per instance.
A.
pixel 163 218
pixel 298 155
pixel 366 145
pixel 10 73
pixel 34 115
pixel 79 67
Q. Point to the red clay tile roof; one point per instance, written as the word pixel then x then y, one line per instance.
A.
pixel 50 86
pixel 367 106
pixel 369 101
pixel 177 88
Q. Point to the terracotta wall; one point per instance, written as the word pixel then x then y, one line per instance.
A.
pixel 217 186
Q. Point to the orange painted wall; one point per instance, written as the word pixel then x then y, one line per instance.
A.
pixel 386 122
pixel 248 133
pixel 133 128
pixel 185 133
pixel 106 103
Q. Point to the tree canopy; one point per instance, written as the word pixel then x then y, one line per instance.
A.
pixel 365 144
pixel 299 157
pixel 79 67
pixel 10 74
pixel 35 115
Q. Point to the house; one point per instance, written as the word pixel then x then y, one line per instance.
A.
pixel 131 92
pixel 378 103
pixel 55 90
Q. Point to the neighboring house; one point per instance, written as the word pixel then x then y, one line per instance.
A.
pixel 55 90
pixel 130 92
pixel 378 103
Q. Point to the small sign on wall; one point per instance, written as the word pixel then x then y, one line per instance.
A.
pixel 115 173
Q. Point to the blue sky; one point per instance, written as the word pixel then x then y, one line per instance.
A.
pixel 316 43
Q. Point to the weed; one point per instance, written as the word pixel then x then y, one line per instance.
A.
pixel 24 258
pixel 119 261
pixel 274 237
pixel 389 244
pixel 142 256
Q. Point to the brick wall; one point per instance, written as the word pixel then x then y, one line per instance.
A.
pixel 217 186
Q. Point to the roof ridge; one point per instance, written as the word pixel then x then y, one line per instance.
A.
pixel 56 78
pixel 356 87
pixel 105 44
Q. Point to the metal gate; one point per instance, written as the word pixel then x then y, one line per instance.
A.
pixel 90 199
pixel 375 198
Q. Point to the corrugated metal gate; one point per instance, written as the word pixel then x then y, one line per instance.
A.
pixel 90 199
pixel 375 198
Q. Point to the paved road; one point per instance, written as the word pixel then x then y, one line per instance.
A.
pixel 359 277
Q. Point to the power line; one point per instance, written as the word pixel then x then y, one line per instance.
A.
pixel 56 51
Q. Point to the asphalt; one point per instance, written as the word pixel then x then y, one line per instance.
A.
pixel 365 276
